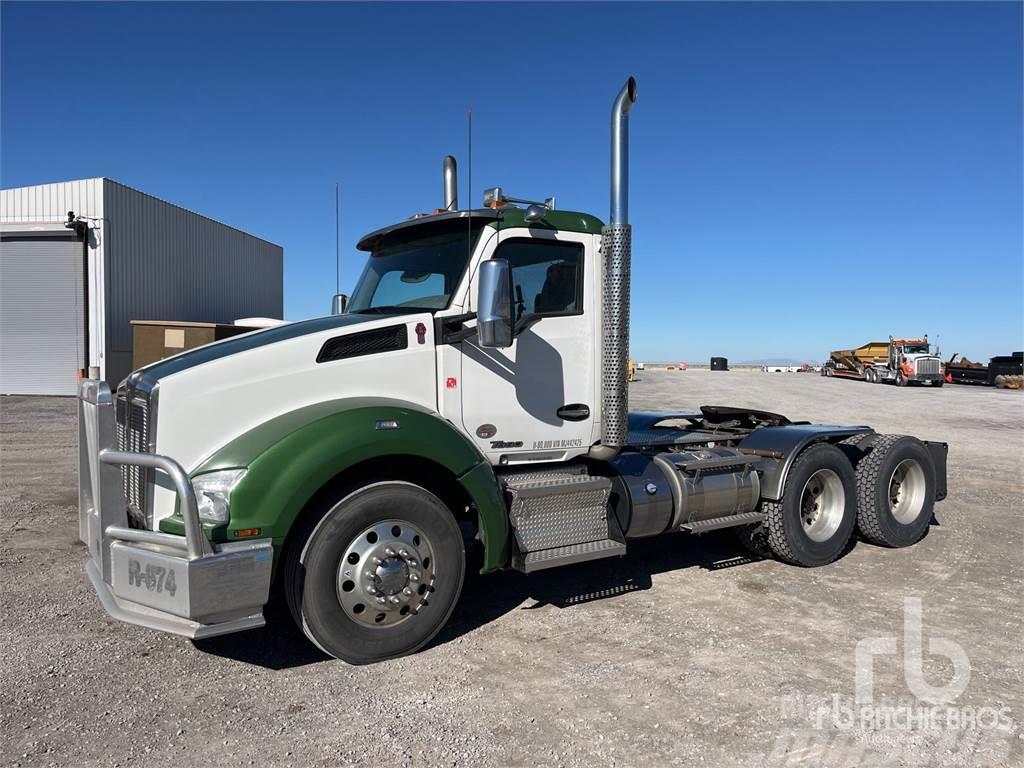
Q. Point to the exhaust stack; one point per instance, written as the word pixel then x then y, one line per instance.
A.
pixel 616 245
pixel 451 185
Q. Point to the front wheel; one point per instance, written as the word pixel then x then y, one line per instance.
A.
pixel 379 575
pixel 813 521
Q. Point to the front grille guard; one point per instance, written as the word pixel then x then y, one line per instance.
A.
pixel 103 509
pixel 180 584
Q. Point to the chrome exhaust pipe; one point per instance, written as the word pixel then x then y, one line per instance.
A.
pixel 451 185
pixel 616 245
pixel 620 153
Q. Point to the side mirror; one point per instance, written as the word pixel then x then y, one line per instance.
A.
pixel 339 306
pixel 494 313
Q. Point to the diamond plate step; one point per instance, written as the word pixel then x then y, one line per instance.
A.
pixel 560 517
pixel 574 553
pixel 711 524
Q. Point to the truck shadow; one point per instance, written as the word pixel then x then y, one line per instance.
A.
pixel 280 645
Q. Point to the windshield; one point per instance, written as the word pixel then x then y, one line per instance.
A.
pixel 915 349
pixel 415 273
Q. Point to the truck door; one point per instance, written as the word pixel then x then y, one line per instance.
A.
pixel 538 399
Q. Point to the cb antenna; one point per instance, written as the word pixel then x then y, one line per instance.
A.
pixel 337 237
pixel 469 181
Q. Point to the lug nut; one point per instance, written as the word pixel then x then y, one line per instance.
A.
pixel 414 577
pixel 389 551
pixel 412 562
pixel 395 600
pixel 376 560
pixel 403 553
pixel 371 590
pixel 381 600
pixel 407 591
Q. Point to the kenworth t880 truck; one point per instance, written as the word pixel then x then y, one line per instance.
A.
pixel 476 379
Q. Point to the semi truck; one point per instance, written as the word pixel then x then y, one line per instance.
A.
pixel 898 361
pixel 472 392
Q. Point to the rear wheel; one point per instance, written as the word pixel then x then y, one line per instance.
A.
pixel 379 575
pixel 812 523
pixel 895 491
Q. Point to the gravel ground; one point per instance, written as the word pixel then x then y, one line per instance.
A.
pixel 685 652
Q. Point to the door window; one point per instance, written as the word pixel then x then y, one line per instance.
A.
pixel 547 277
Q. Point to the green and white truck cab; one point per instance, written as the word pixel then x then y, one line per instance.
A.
pixel 477 379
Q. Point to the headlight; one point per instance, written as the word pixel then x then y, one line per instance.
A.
pixel 213 493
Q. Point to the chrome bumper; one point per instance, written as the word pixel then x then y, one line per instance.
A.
pixel 183 585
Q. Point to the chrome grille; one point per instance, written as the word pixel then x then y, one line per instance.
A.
pixel 133 435
pixel 927 365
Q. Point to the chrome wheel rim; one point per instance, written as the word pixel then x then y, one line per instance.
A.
pixel 907 491
pixel 822 503
pixel 386 574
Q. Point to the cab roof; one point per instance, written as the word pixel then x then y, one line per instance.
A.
pixel 499 218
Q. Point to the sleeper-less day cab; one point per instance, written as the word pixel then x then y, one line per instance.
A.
pixel 476 380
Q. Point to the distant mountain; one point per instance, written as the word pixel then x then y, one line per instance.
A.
pixel 775 361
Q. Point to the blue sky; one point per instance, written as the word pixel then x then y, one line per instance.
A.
pixel 805 176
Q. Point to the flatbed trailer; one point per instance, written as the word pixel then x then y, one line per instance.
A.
pixel 1002 371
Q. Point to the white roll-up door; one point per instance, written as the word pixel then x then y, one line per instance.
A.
pixel 42 315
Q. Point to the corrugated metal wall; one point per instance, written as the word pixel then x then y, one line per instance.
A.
pixel 168 263
pixel 51 202
pixel 151 260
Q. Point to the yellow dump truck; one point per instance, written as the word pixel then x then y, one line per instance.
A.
pixel 897 361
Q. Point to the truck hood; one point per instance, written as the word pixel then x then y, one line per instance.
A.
pixel 249 341
pixel 208 396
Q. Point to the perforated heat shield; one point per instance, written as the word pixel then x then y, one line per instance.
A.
pixel 616 245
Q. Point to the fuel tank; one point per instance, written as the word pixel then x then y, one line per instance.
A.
pixel 656 493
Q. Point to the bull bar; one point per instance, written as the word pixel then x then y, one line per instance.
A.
pixel 184 585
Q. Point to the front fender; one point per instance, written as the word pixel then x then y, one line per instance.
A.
pixel 292 456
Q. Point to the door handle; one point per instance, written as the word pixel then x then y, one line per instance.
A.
pixel 573 412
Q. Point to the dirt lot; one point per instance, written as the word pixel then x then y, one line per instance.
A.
pixel 685 652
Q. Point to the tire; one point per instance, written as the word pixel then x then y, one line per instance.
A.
pixel 335 598
pixel 901 380
pixel 891 459
pixel 938 383
pixel 799 530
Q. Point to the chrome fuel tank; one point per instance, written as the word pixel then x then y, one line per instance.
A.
pixel 661 492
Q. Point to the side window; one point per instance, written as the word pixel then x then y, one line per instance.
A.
pixel 547 277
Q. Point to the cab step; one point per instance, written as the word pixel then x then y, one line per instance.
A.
pixel 561 517
pixel 729 521
pixel 574 553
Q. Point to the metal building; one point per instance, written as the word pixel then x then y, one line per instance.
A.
pixel 70 289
